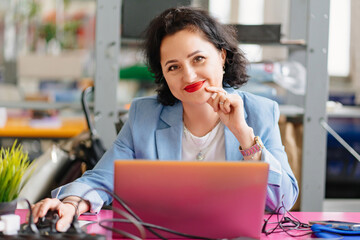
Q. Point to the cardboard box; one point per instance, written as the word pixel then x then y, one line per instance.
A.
pixel 66 65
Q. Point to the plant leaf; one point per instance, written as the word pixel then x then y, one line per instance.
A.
pixel 13 164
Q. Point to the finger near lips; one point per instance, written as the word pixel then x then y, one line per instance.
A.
pixel 214 95
pixel 223 102
pixel 219 99
pixel 227 106
pixel 216 90
pixel 214 101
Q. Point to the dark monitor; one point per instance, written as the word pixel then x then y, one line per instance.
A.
pixel 137 14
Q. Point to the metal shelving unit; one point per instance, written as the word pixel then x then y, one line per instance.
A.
pixel 38 105
pixel 309 20
pixel 308 44
pixel 107 67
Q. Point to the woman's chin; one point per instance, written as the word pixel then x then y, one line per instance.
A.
pixel 199 98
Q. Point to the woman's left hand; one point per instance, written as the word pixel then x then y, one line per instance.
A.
pixel 230 108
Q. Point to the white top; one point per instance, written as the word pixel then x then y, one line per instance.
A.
pixel 210 147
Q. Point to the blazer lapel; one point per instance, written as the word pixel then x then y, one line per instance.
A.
pixel 168 136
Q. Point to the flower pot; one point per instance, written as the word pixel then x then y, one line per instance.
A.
pixel 8 207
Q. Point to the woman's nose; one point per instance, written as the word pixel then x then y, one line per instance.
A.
pixel 189 74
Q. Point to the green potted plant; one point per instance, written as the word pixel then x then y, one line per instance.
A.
pixel 13 164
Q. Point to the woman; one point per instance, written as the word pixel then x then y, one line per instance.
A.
pixel 197 114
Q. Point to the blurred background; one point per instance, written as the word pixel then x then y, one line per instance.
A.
pixel 49 55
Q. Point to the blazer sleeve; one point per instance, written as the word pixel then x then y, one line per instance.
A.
pixel 89 184
pixel 282 185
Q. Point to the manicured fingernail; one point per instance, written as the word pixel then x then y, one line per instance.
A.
pixel 214 96
pixel 211 88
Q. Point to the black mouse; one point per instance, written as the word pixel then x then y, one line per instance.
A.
pixel 47 224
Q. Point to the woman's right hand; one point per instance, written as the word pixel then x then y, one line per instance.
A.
pixel 65 210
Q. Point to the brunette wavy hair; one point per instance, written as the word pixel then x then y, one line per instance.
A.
pixel 221 36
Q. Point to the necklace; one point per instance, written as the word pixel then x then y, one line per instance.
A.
pixel 202 143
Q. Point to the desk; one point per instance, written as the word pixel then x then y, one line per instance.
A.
pixel 302 216
pixel 305 217
pixel 21 128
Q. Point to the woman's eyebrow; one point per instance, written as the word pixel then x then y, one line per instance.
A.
pixel 193 53
pixel 170 61
pixel 189 55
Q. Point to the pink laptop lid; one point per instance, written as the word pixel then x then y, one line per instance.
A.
pixel 207 199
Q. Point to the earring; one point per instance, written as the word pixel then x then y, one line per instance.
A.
pixel 224 69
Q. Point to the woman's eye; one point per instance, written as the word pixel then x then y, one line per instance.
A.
pixel 172 68
pixel 199 59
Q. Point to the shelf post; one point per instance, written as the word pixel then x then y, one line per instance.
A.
pixel 107 68
pixel 310 21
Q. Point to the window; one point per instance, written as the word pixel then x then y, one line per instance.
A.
pixel 339 38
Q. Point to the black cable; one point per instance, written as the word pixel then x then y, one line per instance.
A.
pixel 132 220
pixel 123 233
pixel 157 227
pixel 297 224
pixel 126 234
pixel 31 224
pixel 285 223
pixel 33 228
pixel 125 206
pixel 148 226
pixel 85 107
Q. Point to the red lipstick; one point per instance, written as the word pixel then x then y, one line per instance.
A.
pixel 194 87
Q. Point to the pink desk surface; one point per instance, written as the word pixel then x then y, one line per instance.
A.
pixel 304 217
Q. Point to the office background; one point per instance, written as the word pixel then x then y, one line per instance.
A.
pixel 52 50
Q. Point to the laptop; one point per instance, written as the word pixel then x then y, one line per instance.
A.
pixel 206 199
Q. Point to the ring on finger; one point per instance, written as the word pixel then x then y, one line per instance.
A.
pixel 221 102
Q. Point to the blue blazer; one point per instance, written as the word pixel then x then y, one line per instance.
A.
pixel 154 131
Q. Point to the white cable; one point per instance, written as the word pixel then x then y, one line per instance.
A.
pixel 339 139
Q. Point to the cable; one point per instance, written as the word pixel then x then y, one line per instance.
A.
pixel 157 227
pixel 123 233
pixel 137 219
pixel 31 225
pixel 285 224
pixel 132 220
pixel 74 227
pixel 125 206
pixel 85 107
pixel 129 219
pixel 326 126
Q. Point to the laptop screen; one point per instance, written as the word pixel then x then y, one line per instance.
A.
pixel 207 199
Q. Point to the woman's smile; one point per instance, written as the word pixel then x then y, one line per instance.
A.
pixel 194 87
pixel 190 62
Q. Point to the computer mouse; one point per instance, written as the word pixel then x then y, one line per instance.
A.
pixel 47 224
pixel 45 228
